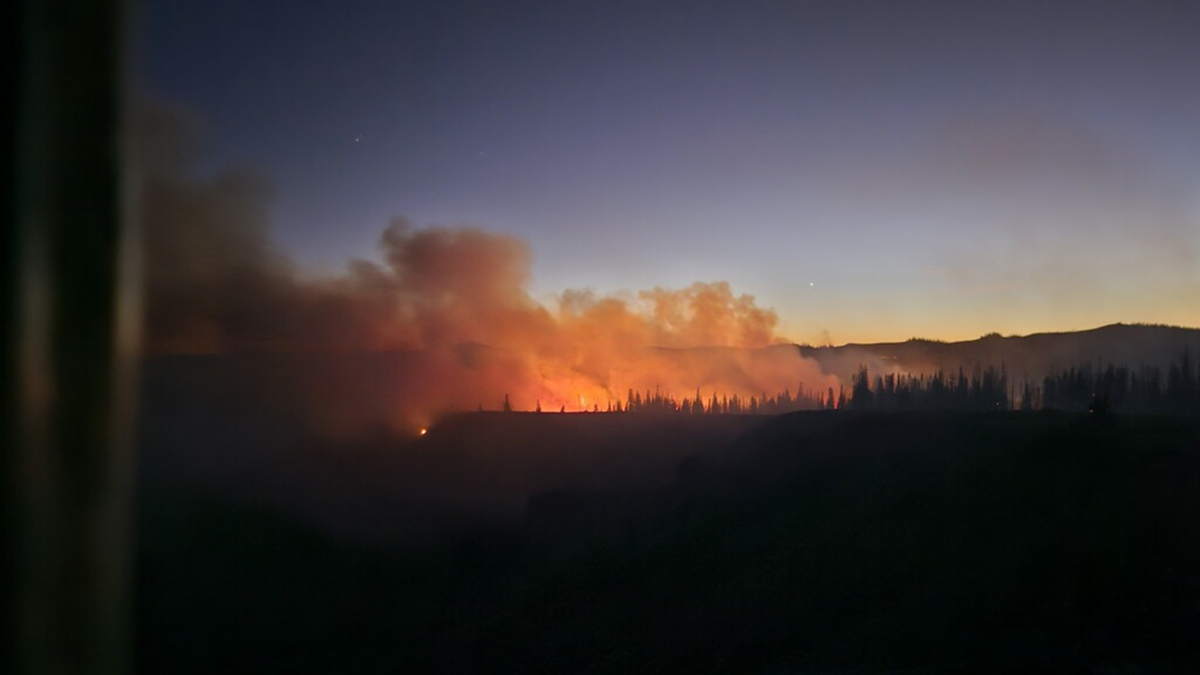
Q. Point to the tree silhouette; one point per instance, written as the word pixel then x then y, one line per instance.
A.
pixel 860 396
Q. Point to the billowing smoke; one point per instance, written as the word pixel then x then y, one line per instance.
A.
pixel 444 317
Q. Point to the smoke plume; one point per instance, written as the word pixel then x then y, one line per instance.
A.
pixel 448 308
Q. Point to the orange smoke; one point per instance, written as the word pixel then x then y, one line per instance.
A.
pixel 451 305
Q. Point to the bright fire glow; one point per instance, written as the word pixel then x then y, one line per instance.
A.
pixel 422 432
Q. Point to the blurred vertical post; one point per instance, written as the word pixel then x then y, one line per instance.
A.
pixel 69 340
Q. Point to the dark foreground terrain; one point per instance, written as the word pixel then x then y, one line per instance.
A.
pixel 813 542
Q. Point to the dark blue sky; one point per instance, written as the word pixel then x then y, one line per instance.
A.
pixel 873 170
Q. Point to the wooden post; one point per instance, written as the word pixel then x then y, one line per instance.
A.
pixel 69 341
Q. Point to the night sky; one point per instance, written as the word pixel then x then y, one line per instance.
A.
pixel 872 170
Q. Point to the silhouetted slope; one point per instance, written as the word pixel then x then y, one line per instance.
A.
pixel 818 542
pixel 469 468
pixel 1031 356
pixel 944 541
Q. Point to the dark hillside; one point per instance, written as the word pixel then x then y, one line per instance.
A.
pixel 818 542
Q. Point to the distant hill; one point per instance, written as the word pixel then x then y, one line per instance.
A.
pixel 1025 357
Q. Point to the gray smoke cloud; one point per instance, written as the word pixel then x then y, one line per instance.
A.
pixel 452 303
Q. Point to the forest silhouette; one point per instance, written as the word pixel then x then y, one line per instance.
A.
pixel 1108 389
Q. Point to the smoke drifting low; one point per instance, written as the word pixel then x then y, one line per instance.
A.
pixel 450 304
